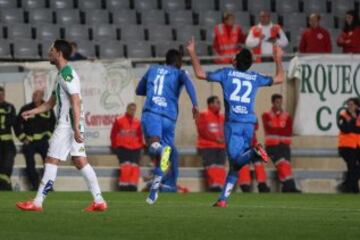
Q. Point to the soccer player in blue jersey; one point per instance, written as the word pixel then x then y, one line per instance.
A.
pixel 239 89
pixel 162 85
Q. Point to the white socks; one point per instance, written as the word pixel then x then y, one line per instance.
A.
pixel 46 184
pixel 92 183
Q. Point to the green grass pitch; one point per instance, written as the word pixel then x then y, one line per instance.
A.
pixel 184 216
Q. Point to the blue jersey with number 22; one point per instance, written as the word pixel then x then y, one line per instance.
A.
pixel 239 89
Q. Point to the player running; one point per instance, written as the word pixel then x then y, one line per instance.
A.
pixel 239 89
pixel 68 135
pixel 162 86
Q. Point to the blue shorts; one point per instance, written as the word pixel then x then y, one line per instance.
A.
pixel 238 138
pixel 155 125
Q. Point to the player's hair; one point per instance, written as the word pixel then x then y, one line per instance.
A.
pixel 212 99
pixel 355 23
pixel 174 58
pixel 64 47
pixel 2 89
pixel 355 100
pixel 243 60
pixel 276 96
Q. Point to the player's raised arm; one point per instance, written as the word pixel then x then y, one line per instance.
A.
pixel 46 106
pixel 199 72
pixel 190 89
pixel 279 69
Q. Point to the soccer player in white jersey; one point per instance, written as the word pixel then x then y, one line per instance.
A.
pixel 68 135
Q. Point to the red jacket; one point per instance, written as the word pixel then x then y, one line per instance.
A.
pixel 126 132
pixel 315 40
pixel 350 41
pixel 210 128
pixel 278 127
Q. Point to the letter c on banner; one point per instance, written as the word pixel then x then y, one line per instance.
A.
pixel 318 119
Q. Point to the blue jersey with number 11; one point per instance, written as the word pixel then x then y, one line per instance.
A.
pixel 239 89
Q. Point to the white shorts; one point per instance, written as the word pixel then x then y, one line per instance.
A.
pixel 62 143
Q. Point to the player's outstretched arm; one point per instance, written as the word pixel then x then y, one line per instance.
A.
pixel 76 109
pixel 46 106
pixel 199 72
pixel 279 69
pixel 190 89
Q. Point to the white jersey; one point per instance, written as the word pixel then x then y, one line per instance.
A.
pixel 67 83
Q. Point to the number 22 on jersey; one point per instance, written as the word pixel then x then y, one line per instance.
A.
pixel 235 95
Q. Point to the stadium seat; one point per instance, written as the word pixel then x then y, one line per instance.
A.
pixel 200 6
pixel 327 21
pixel 124 17
pixel 209 18
pixel 68 17
pixel 294 20
pixel 153 17
pixel 41 15
pixel 286 6
pixel 339 7
pixel 61 4
pixel 117 4
pixel 132 33
pixel 255 6
pixel 111 50
pixel 4 49
pixel 10 16
pixel 76 31
pixel 19 31
pixel 315 6
pixel 145 5
pixel 25 49
pixel 173 5
pixel 4 4
pixel 44 48
pixel 231 5
pixel 202 49
pixel 90 4
pixel 243 19
pixel 86 48
pixel 104 31
pixel 162 47
pixel 97 16
pixel 209 34
pixel 47 32
pixel 138 49
pixel 179 18
pixel 33 4
pixel 184 33
pixel 160 33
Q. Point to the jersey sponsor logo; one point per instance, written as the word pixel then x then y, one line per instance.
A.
pixel 160 101
pixel 213 127
pixel 240 109
pixel 82 149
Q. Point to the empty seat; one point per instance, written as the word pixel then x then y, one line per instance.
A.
pixel 294 20
pixel 4 49
pixel 117 4
pixel 123 17
pixel 162 47
pixel 173 5
pixel 8 4
pixel 209 34
pixel 41 15
pixel 153 17
pixel 47 32
pixel 90 4
pixel 19 31
pixel 339 7
pixel 255 6
pixel 86 48
pixel 209 18
pixel 317 6
pixel 11 16
pixel 231 5
pixel 25 49
pixel 286 6
pixel 75 32
pixel 132 33
pixel 144 5
pixel 179 18
pixel 160 33
pixel 45 47
pixel 327 21
pixel 97 16
pixel 111 50
pixel 32 4
pixel 243 19
pixel 199 6
pixel 138 50
pixel 184 33
pixel 68 17
pixel 202 49
pixel 61 4
pixel 104 31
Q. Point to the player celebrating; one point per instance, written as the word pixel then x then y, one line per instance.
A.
pixel 239 89
pixel 68 135
pixel 162 86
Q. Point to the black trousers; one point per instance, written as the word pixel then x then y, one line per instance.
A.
pixel 7 156
pixel 351 157
pixel 29 151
